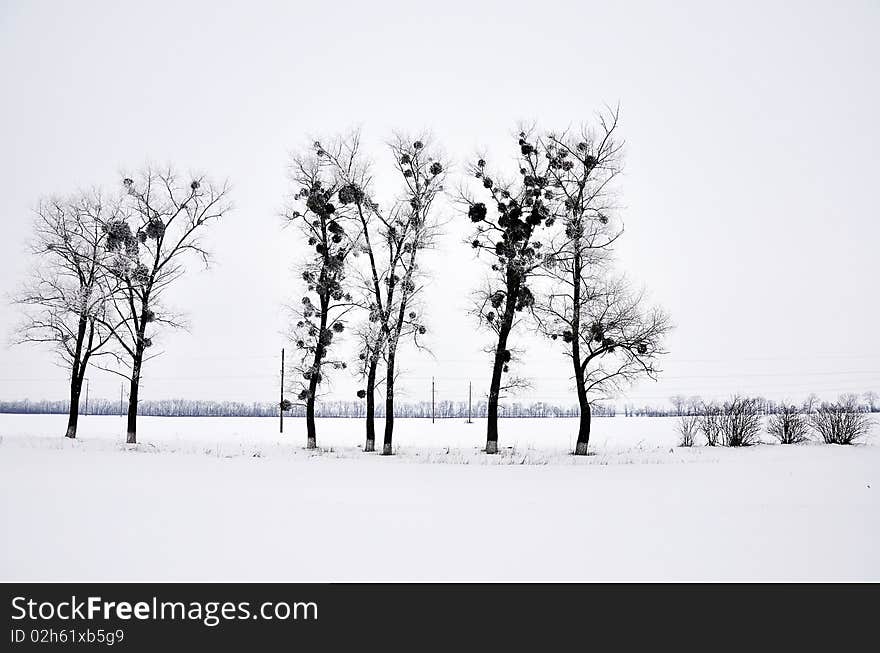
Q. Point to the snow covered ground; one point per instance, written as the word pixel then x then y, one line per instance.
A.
pixel 230 499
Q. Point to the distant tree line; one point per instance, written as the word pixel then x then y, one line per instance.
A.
pixel 202 408
pixel 679 406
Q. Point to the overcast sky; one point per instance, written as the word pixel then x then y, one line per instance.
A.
pixel 750 190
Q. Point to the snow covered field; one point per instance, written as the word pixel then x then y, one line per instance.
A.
pixel 230 499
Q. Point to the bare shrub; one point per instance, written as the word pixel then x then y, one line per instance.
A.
pixel 740 422
pixel 789 425
pixel 688 428
pixel 840 422
pixel 710 422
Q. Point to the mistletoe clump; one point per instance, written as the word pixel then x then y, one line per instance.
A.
pixel 140 274
pixel 155 229
pixel 318 200
pixel 336 231
pixel 477 212
pixel 525 298
pixel 119 235
pixel 351 194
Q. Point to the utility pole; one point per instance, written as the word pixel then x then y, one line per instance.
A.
pixel 86 412
pixel 281 402
pixel 432 400
pixel 470 400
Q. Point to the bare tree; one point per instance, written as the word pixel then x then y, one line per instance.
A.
pixel 841 422
pixel 507 226
pixel 410 228
pixel 711 415
pixel 65 301
pixel 811 403
pixel 688 427
pixel 324 208
pixel 390 281
pixel 789 424
pixel 610 338
pixel 679 403
pixel 872 398
pixel 165 217
pixel 740 424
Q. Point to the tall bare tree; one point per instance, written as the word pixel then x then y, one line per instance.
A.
pixel 507 225
pixel 162 227
pixel 609 335
pixel 617 340
pixel 66 299
pixel 324 208
pixel 409 228
pixel 354 174
pixel 389 281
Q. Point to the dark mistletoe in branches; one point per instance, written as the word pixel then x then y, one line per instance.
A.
pixel 509 218
pixel 405 231
pixel 610 336
pixel 324 208
pixel 387 280
pixel 149 243
pixel 617 341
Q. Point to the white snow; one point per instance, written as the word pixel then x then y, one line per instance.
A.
pixel 230 499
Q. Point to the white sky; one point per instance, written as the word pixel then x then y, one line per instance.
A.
pixel 750 186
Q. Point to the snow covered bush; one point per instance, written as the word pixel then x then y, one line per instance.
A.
pixel 841 422
pixel 789 425
pixel 688 428
pixel 740 422
pixel 710 422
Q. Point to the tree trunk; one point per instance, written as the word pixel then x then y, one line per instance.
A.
pixel 73 414
pixel 492 409
pixel 320 350
pixel 389 400
pixel 497 369
pixel 76 379
pixel 131 429
pixel 371 405
pixel 583 440
pixel 311 434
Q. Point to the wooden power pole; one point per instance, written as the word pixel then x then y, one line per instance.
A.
pixel 432 400
pixel 281 402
